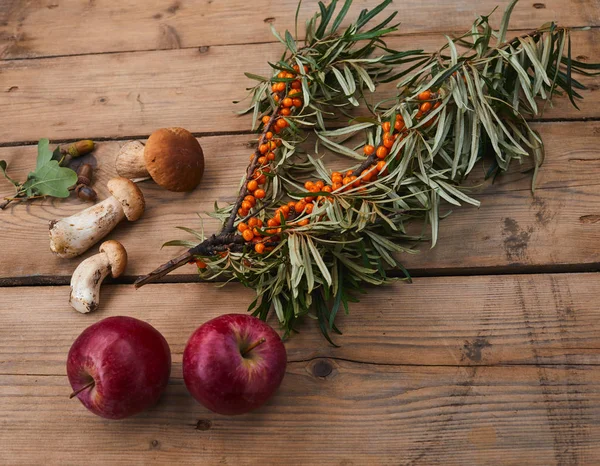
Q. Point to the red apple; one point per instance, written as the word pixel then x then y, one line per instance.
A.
pixel 234 363
pixel 119 367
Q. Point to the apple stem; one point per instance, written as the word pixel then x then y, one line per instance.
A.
pixel 79 390
pixel 253 345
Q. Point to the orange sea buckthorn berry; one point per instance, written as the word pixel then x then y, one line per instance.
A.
pixel 276 98
pixel 281 123
pixel 242 212
pixel 291 204
pixel 285 209
pixel 272 222
pixel 335 186
pixel 419 115
pixel 380 165
pixel 309 208
pixel 349 173
pixel 399 117
pixel 346 181
pixel 386 126
pixel 262 179
pixel 281 74
pixel 399 125
pixel 425 95
pixel 368 149
pixel 308 199
pixel 308 185
pixel 274 87
pixel 304 222
pixel 271 156
pixel 287 102
pixel 257 233
pixel 253 186
pixel 299 207
pixel 271 145
pixel 253 222
pixel 437 105
pixel 297 102
pixel 319 184
pixel 388 141
pixel 296 85
pixel 259 193
pixel 246 205
pixel 280 87
pixel 425 107
pixel 266 119
pixel 263 148
pixel 262 160
pixel 260 222
pixel 296 68
pixel 294 92
pixel 290 75
pixel 242 227
pixel 200 264
pixel 278 142
pixel 285 112
pixel 259 248
pixel 366 175
pixel 382 152
pixel 306 68
pixel 326 189
pixel 248 235
pixel 269 135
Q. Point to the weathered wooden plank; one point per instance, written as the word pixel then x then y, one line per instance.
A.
pixel 451 321
pixel 359 414
pixel 557 227
pixel 94 27
pixel 131 94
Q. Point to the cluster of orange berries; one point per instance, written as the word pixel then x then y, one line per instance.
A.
pixel 293 97
pixel 427 106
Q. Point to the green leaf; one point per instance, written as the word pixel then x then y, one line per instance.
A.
pixel 44 153
pixel 50 180
pixel 341 15
pixel 256 77
pixel 505 21
pixel 3 166
pixel 319 260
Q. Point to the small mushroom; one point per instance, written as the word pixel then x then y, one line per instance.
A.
pixel 172 157
pixel 88 276
pixel 72 236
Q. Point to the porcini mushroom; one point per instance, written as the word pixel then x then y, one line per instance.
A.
pixel 88 276
pixel 172 157
pixel 72 236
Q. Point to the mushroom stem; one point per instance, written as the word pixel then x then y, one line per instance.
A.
pixel 86 282
pixel 131 163
pixel 89 275
pixel 72 236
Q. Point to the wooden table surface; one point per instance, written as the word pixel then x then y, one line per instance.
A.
pixel 490 357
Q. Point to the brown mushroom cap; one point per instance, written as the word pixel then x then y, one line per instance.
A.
pixel 117 256
pixel 174 159
pixel 129 195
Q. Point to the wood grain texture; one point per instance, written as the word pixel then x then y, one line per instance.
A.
pixel 91 26
pixel 445 321
pixel 132 94
pixel 455 370
pixel 359 414
pixel 511 229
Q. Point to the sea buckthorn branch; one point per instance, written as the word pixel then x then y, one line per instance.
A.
pixel 337 231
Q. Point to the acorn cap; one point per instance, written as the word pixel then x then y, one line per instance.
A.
pixel 174 159
pixel 117 256
pixel 129 195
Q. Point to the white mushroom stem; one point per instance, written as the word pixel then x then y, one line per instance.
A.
pixel 86 281
pixel 74 235
pixel 89 275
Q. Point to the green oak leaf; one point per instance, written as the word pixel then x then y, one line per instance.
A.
pixel 44 153
pixel 50 180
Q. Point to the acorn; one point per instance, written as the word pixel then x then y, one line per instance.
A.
pixel 79 148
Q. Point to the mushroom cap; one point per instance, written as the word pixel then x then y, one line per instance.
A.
pixel 117 256
pixel 129 195
pixel 174 159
